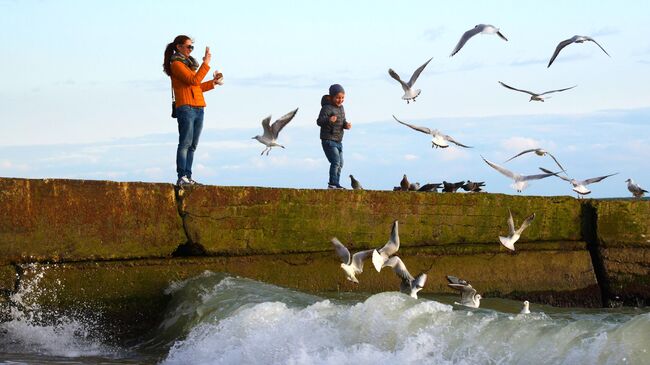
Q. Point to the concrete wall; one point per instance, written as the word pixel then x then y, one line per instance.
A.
pixel 117 245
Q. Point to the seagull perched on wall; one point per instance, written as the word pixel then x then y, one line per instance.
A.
pixel 414 186
pixel 538 152
pixel 513 235
pixel 536 96
pixel 356 185
pixel 410 285
pixel 635 189
pixel 351 265
pixel 574 39
pixel 479 28
pixel 468 296
pixel 409 93
pixel 404 184
pixel 473 186
pixel 452 187
pixel 379 257
pixel 271 132
pixel 580 186
pixel 439 139
pixel 520 181
pixel 433 188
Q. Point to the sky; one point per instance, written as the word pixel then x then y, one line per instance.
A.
pixel 84 95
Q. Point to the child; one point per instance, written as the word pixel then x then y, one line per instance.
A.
pixel 331 120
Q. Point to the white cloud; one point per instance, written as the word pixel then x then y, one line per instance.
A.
pixel 409 157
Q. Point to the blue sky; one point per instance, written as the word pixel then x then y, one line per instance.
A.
pixel 84 95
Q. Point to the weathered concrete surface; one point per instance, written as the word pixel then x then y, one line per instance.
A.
pixel 76 220
pixel 623 234
pixel 240 220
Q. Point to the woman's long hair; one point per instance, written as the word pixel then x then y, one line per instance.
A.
pixel 169 51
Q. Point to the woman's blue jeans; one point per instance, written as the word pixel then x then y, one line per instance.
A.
pixel 334 153
pixel 190 124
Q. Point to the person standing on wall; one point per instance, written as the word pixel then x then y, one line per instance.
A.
pixel 332 122
pixel 187 87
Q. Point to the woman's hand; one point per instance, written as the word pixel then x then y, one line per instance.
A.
pixel 208 56
pixel 333 119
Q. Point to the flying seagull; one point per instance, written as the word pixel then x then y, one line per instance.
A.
pixel 538 152
pixel 404 184
pixel 513 235
pixel 439 139
pixel 480 28
pixel 379 257
pixel 271 131
pixel 580 186
pixel 430 187
pixel 409 93
pixel 410 285
pixel 468 296
pixel 452 187
pixel 351 265
pixel 520 181
pixel 635 189
pixel 574 39
pixel 525 309
pixel 536 96
pixel 473 186
pixel 356 185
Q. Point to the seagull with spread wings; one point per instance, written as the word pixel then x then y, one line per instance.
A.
pixel 520 181
pixel 439 139
pixel 538 152
pixel 580 186
pixel 513 235
pixel 352 265
pixel 574 39
pixel 478 29
pixel 271 132
pixel 381 256
pixel 409 92
pixel 536 96
pixel 410 285
pixel 468 296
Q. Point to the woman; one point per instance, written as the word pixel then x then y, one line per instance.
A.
pixel 186 76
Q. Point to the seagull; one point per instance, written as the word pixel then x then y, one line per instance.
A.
pixel 439 139
pixel 473 186
pixel 356 185
pixel 409 93
pixel 579 186
pixel 404 184
pixel 536 96
pixel 635 189
pixel 414 186
pixel 521 181
pixel 430 187
pixel 574 39
pixel 452 187
pixel 513 236
pixel 271 131
pixel 479 28
pixel 538 152
pixel 409 284
pixel 468 296
pixel 525 309
pixel 379 257
pixel 351 265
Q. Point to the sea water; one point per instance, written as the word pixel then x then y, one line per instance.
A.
pixel 216 318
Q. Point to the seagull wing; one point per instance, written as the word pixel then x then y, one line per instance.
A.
pixel 455 281
pixel 394 75
pixel 359 257
pixel 511 223
pixel 419 129
pixel 593 40
pixel 526 223
pixel 556 161
pixel 419 281
pixel 341 250
pixel 515 89
pixel 539 176
pixel 450 139
pixel 521 153
pixel 596 179
pixel 268 134
pixel 559 47
pixel 417 73
pixel 467 294
pixel 399 268
pixel 560 176
pixel 283 121
pixel 557 91
pixel 502 170
pixel 392 246
pixel 466 36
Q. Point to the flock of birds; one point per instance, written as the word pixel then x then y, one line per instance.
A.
pixel 386 256
pixel 440 140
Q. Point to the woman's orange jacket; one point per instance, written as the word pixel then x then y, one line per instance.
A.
pixel 187 85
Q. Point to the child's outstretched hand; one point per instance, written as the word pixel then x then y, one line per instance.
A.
pixel 347 125
pixel 333 119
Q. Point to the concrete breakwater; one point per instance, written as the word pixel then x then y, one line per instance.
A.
pixel 115 247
